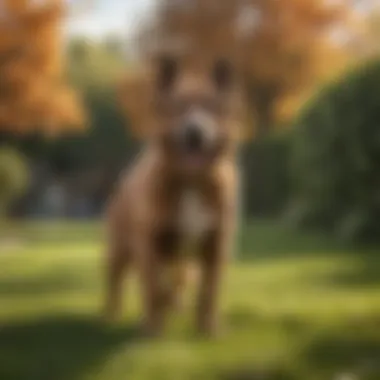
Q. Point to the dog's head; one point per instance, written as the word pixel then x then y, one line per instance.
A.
pixel 196 115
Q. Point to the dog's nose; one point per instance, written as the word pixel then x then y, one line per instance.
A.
pixel 193 138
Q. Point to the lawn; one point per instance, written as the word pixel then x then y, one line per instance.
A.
pixel 296 307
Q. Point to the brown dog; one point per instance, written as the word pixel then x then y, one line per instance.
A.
pixel 182 190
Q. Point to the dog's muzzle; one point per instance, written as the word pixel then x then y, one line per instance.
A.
pixel 193 140
pixel 198 132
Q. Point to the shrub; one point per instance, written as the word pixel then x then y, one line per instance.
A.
pixel 265 176
pixel 335 157
pixel 14 177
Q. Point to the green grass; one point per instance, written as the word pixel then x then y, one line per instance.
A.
pixel 296 307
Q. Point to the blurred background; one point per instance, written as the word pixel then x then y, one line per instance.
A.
pixel 74 105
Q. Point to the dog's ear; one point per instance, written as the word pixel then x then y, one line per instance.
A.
pixel 223 75
pixel 167 71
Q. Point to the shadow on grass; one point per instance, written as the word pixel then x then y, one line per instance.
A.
pixel 59 348
pixel 257 374
pixel 349 351
pixel 365 273
pixel 332 357
pixel 346 353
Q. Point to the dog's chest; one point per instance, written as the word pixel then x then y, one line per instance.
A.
pixel 195 216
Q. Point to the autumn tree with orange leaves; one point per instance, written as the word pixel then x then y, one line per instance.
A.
pixel 33 92
pixel 277 46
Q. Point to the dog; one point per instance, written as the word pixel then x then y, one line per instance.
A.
pixel 180 198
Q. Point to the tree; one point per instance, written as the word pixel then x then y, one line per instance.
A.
pixel 33 92
pixel 272 42
pixel 371 29
pixel 92 159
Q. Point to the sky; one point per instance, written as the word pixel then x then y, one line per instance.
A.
pixel 108 16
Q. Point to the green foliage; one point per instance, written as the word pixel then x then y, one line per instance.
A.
pixel 265 175
pixel 94 66
pixel 96 69
pixel 336 157
pixel 14 176
pixel 105 144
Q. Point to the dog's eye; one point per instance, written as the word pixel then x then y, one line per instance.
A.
pixel 167 73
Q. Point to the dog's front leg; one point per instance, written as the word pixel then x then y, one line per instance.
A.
pixel 117 265
pixel 214 256
pixel 150 280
